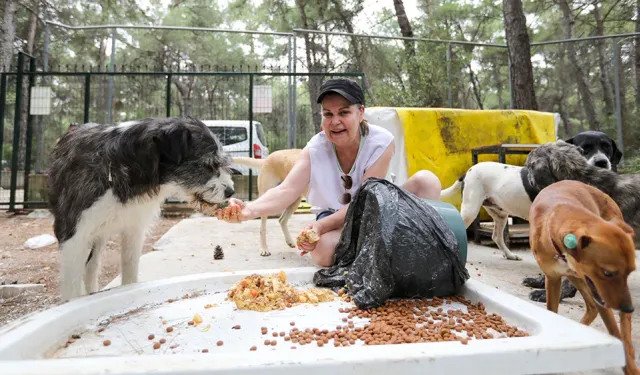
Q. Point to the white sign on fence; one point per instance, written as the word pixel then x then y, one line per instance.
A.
pixel 262 99
pixel 40 100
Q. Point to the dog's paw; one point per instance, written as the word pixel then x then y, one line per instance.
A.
pixel 265 253
pixel 538 296
pixel 534 282
pixel 512 257
pixel 291 244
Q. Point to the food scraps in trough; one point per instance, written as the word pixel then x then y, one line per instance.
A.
pixel 272 292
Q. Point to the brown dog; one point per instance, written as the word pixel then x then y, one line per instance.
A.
pixel 273 170
pixel 577 231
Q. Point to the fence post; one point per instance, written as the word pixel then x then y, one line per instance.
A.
pixel 250 134
pixel 616 65
pixel 3 102
pixel 168 95
pixel 29 135
pixel 294 89
pixel 112 63
pixel 292 126
pixel 364 87
pixel 449 92
pixel 16 134
pixel 87 96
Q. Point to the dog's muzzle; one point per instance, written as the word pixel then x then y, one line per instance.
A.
pixel 627 309
pixel 602 163
pixel 228 192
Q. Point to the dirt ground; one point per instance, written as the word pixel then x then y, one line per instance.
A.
pixel 40 266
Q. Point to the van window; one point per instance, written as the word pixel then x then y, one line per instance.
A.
pixel 229 135
pixel 261 136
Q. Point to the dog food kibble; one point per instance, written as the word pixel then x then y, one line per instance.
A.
pixel 101 329
pixel 220 343
pixel 162 341
pixel 411 321
pixel 264 330
pixel 205 350
pixel 275 334
pixel 273 343
pixel 156 345
pixel 282 334
pixel 267 342
pixel 253 348
pixel 236 327
pixel 106 342
pixel 190 322
pixel 169 329
pixel 293 323
pixel 151 336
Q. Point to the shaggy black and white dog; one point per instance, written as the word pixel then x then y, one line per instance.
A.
pixel 504 190
pixel 106 180
pixel 557 161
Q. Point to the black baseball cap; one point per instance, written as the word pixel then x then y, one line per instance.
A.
pixel 349 89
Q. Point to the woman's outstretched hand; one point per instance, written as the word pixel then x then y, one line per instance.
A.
pixel 235 212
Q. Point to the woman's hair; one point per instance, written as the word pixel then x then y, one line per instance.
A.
pixel 364 125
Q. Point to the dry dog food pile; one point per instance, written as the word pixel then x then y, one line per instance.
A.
pixel 405 321
pixel 266 293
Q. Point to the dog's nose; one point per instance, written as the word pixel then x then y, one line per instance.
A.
pixel 228 192
pixel 628 309
pixel 601 163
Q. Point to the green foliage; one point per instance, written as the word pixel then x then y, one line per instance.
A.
pixel 476 76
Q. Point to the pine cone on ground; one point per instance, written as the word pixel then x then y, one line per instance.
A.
pixel 218 254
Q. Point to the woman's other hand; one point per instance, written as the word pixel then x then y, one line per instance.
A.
pixel 307 246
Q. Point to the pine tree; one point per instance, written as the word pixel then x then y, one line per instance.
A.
pixel 218 254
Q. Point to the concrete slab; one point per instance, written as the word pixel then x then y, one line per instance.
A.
pixel 188 249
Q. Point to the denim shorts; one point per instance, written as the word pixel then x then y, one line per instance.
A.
pixel 324 214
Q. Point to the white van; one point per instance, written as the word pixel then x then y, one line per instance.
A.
pixel 234 136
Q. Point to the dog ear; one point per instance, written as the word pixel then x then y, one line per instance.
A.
pixel 616 156
pixel 623 225
pixel 570 140
pixel 173 144
pixel 576 243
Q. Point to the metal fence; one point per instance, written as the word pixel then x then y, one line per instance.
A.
pixel 253 113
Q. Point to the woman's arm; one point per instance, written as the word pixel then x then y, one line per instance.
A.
pixel 379 169
pixel 277 199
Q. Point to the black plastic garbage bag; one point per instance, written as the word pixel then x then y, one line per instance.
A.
pixel 393 245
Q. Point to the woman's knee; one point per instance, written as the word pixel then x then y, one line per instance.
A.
pixel 322 258
pixel 425 184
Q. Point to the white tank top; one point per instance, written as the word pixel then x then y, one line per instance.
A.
pixel 325 185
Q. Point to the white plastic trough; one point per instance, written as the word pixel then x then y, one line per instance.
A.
pixel 34 344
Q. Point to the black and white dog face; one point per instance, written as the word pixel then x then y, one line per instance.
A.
pixel 191 157
pixel 599 149
pixel 136 161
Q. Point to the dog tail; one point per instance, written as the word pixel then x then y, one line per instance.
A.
pixel 448 192
pixel 249 162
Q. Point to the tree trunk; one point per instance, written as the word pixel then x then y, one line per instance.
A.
pixel 8 34
pixel 405 27
pixel 314 82
pixel 561 87
pixel 185 97
pixel 24 116
pixel 498 82
pixel 607 90
pixel 578 73
pixel 519 49
pixel 476 86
